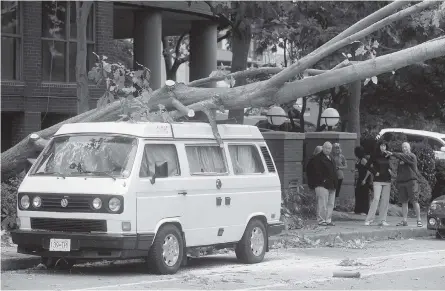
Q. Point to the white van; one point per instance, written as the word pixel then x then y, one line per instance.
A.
pixel 435 140
pixel 128 190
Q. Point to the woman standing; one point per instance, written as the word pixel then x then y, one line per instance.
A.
pixel 341 164
pixel 361 186
pixel 378 165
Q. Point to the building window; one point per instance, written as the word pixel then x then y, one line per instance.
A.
pixel 11 40
pixel 59 41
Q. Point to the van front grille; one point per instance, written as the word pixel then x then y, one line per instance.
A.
pixel 68 225
pixel 76 203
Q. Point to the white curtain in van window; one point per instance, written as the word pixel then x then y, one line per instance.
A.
pixel 205 159
pixel 156 154
pixel 244 159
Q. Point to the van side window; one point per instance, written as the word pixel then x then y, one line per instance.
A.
pixel 205 159
pixel 245 159
pixel 156 154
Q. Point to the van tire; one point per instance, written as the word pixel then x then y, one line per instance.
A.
pixel 156 260
pixel 243 249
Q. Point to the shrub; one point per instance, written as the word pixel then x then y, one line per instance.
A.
pixel 298 204
pixel 9 202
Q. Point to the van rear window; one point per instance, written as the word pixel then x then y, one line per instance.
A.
pixel 205 160
pixel 245 159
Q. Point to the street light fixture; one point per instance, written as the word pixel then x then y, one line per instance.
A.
pixel 330 117
pixel 276 116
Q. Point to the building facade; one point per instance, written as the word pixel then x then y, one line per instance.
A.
pixel 39 39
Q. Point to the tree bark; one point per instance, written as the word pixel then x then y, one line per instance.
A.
pixel 82 12
pixel 241 39
pixel 354 109
pixel 303 110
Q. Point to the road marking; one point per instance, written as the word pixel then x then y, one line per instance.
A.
pixel 403 270
pixel 401 255
pixel 143 282
pixel 127 284
pixel 263 287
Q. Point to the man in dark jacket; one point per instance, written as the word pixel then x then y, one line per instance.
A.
pixel 325 183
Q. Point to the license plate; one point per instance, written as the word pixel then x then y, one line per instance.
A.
pixel 59 245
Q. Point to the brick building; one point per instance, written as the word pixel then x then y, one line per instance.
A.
pixel 39 53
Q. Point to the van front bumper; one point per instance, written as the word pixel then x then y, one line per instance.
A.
pixel 84 245
pixel 275 228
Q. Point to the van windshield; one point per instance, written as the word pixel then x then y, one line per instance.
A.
pixel 88 155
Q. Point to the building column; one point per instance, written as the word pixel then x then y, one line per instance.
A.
pixel 148 44
pixel 203 49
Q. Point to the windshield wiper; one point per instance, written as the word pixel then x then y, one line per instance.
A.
pixel 51 173
pixel 100 173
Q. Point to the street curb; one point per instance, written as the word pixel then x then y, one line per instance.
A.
pixel 10 264
pixel 374 235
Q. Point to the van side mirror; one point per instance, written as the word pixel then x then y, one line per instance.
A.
pixel 161 171
pixel 442 149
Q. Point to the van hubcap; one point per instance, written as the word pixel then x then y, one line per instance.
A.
pixel 170 250
pixel 257 241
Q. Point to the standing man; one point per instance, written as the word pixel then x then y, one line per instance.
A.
pixel 325 182
pixel 407 182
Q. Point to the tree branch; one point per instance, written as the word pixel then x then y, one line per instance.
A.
pixel 227 35
pixel 304 63
pixel 178 45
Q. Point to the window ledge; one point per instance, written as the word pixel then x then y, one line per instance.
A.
pixel 64 85
pixel 12 83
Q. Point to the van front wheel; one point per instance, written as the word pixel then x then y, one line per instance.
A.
pixel 165 255
pixel 252 247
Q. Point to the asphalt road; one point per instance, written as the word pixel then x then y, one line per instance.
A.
pixel 397 264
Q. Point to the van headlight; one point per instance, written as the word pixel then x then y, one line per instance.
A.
pixel 37 202
pixel 114 204
pixel 24 202
pixel 97 203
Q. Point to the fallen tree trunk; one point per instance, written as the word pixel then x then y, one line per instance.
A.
pixel 264 93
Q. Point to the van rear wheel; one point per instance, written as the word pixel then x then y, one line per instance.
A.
pixel 165 255
pixel 252 247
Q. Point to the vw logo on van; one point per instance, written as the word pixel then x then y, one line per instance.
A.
pixel 64 202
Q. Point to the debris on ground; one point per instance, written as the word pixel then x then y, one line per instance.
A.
pixel 346 274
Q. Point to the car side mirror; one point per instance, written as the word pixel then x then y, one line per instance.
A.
pixel 161 171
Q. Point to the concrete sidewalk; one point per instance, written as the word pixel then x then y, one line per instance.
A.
pixel 349 231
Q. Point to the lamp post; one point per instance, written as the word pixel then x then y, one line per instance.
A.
pixel 276 116
pixel 330 117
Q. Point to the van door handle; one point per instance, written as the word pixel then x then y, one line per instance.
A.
pixel 182 193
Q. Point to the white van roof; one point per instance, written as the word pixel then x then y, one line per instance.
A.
pixel 184 130
pixel 413 131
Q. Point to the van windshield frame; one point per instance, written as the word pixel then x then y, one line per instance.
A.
pixel 88 155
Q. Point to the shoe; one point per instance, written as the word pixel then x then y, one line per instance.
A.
pixel 383 223
pixel 330 224
pixel 402 223
pixel 368 223
pixel 322 223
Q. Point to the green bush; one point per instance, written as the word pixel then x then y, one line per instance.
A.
pixel 298 204
pixel 9 202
